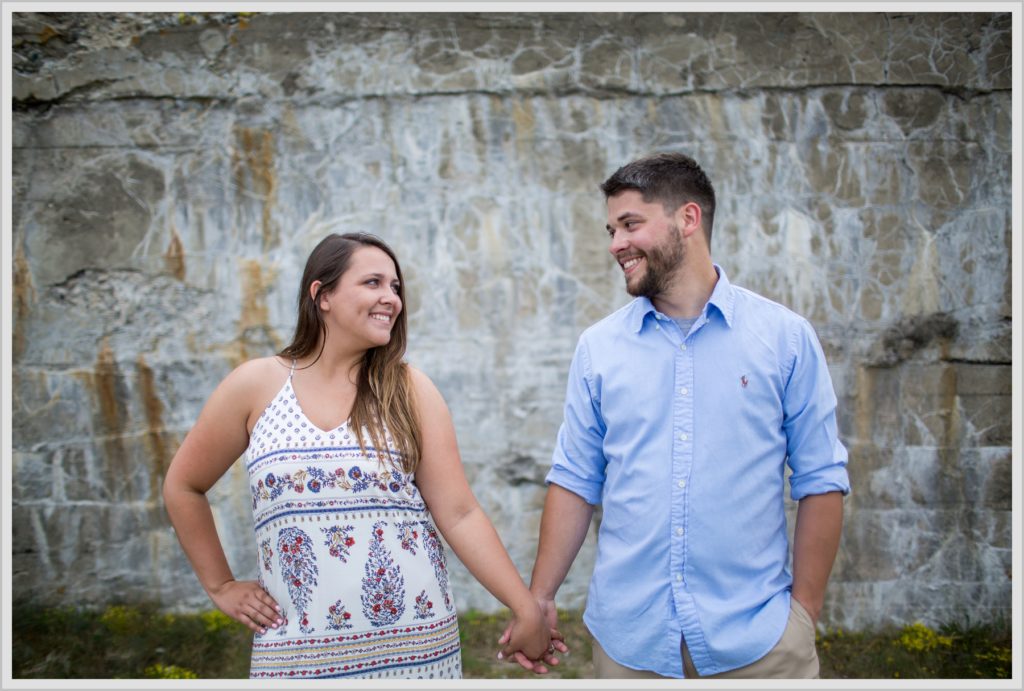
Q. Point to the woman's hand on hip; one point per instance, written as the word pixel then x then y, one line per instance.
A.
pixel 247 602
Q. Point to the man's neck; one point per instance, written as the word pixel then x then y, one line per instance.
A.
pixel 689 292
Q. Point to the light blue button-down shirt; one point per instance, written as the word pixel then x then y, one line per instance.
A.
pixel 683 439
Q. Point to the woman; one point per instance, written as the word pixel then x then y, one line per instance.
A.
pixel 352 462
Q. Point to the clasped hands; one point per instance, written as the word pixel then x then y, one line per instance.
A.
pixel 532 639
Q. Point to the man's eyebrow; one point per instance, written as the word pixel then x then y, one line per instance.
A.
pixel 627 214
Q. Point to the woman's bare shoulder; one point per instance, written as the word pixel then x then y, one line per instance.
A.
pixel 259 377
pixel 426 392
pixel 417 379
pixel 263 366
pixel 254 384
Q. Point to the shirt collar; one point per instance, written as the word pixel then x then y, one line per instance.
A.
pixel 722 300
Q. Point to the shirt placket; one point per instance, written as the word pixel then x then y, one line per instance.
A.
pixel 682 456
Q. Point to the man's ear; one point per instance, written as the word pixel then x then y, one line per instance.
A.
pixel 688 218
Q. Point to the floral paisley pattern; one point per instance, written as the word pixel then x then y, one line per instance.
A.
pixel 386 480
pixel 408 533
pixel 272 486
pixel 298 566
pixel 424 606
pixel 433 546
pixel 383 585
pixel 339 540
pixel 267 555
pixel 337 617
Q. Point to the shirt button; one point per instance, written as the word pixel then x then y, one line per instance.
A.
pixel 683 436
pixel 684 390
pixel 679 532
pixel 657 327
pixel 682 483
pixel 682 346
pixel 679 578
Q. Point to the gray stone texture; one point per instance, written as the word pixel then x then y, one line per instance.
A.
pixel 171 172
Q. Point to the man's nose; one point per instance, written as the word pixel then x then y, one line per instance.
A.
pixel 618 242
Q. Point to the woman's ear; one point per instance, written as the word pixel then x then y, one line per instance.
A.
pixel 322 302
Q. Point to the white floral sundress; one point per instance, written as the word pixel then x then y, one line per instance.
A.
pixel 349 551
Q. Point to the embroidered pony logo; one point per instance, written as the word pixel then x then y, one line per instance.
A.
pixel 744 381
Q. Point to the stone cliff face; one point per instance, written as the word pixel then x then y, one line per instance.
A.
pixel 171 173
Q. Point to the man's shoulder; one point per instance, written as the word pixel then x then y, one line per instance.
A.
pixel 757 307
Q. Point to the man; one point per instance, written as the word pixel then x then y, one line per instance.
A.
pixel 682 409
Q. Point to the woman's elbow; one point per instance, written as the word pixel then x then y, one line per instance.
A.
pixel 454 515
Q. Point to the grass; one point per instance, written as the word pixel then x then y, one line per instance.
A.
pixel 127 642
pixel 918 652
pixel 479 633
pixel 140 642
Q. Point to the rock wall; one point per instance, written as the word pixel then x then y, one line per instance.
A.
pixel 172 171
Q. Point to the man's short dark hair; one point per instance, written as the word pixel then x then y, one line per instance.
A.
pixel 673 179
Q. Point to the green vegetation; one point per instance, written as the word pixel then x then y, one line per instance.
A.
pixel 479 634
pixel 128 642
pixel 918 652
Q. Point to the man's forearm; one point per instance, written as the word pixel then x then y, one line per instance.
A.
pixel 563 527
pixel 819 525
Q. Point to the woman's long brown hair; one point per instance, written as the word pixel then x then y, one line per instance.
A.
pixel 384 401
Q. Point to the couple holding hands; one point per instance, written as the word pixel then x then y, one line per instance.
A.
pixel 682 410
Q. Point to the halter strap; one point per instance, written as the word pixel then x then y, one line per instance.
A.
pixel 292 370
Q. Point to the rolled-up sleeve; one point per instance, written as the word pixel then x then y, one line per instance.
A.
pixel 815 454
pixel 578 462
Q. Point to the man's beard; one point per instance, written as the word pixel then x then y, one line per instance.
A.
pixel 662 263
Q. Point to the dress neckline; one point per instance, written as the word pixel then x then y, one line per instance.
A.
pixel 316 428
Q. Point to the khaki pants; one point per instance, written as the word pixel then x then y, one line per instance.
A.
pixel 793 657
